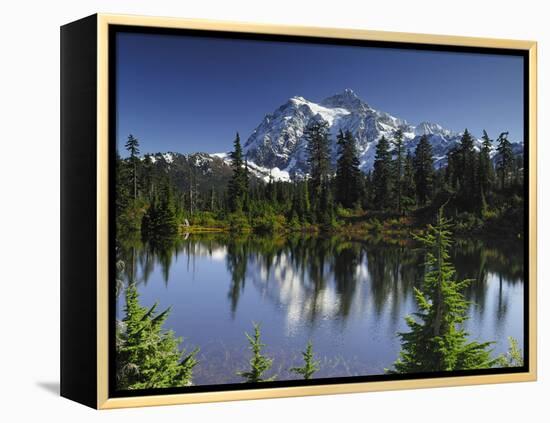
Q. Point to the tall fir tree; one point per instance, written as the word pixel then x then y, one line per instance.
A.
pixel 238 185
pixel 318 159
pixel 466 170
pixel 409 186
pixel 132 146
pixel 306 201
pixel 437 340
pixel 368 191
pixel 348 175
pixel 398 168
pixel 452 169
pixel 148 180
pixel 423 170
pixel 505 159
pixel 122 198
pixel 382 175
pixel 486 169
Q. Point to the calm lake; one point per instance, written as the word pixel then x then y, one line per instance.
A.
pixel 348 297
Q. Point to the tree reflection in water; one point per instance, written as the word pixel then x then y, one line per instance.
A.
pixel 319 276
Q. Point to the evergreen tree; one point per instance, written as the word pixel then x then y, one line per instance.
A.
pixel 318 159
pixel 398 167
pixel 298 208
pixel 368 191
pixel 423 170
pixel 159 222
pixel 382 175
pixel 452 169
pixel 485 166
pixel 146 355
pixel 259 364
pixel 306 202
pixel 518 170
pixel 132 146
pixel 466 172
pixel 147 178
pixel 348 174
pixel 514 356
pixel 238 185
pixel 437 340
pixel 325 212
pixel 310 364
pixel 409 186
pixel 505 159
pixel 122 198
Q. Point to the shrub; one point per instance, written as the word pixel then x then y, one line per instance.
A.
pixel 239 223
pixel 268 223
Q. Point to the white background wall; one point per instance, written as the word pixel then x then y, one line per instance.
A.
pixel 29 209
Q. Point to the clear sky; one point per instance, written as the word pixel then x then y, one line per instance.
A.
pixel 190 94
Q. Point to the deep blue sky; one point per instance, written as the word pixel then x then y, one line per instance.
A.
pixel 188 94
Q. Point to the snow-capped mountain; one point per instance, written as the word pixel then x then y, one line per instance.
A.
pixel 278 143
pixel 276 149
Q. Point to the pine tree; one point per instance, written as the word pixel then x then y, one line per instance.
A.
pixel 348 174
pixel 298 207
pixel 452 169
pixel 485 166
pixel 466 172
pixel 318 159
pixel 132 146
pixel 398 167
pixel 147 179
pixel 437 340
pixel 505 159
pixel 306 202
pixel 518 170
pixel 409 186
pixel 122 198
pixel 238 185
pixel 368 191
pixel 423 170
pixel 259 364
pixel 310 366
pixel 325 212
pixel 159 222
pixel 382 175
pixel 146 355
pixel 514 355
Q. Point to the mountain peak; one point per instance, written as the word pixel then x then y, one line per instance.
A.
pixel 347 99
pixel 298 98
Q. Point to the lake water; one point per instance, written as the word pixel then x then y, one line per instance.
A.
pixel 348 297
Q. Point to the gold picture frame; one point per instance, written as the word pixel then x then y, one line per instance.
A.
pixel 97 35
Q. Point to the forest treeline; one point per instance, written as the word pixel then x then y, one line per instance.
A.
pixel 482 193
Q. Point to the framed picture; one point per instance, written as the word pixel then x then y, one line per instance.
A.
pixel 253 211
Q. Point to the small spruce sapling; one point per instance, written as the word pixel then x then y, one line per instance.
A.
pixel 514 356
pixel 310 364
pixel 259 363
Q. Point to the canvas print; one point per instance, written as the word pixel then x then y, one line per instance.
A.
pixel 292 212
